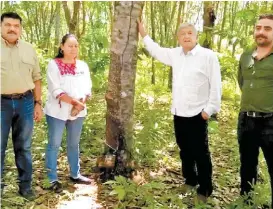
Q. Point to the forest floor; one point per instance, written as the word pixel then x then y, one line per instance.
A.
pixel 156 183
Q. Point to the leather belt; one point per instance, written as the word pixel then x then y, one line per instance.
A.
pixel 16 96
pixel 258 114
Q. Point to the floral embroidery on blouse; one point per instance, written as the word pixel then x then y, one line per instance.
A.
pixel 65 68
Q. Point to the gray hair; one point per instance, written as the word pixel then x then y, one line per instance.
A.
pixel 185 25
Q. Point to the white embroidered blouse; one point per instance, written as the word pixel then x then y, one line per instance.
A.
pixel 75 82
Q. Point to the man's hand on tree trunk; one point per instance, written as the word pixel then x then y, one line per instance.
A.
pixel 141 29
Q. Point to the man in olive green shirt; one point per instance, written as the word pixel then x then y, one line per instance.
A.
pixel 20 98
pixel 255 123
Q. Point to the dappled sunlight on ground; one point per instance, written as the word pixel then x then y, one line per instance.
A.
pixel 84 197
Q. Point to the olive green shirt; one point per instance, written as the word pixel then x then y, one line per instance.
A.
pixel 19 67
pixel 255 79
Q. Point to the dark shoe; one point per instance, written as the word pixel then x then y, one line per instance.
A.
pixel 2 188
pixel 186 188
pixel 265 206
pixel 201 199
pixel 56 187
pixel 81 180
pixel 27 194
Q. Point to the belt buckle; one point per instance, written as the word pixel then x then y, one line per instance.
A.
pixel 248 114
pixel 21 95
pixel 251 114
pixel 16 96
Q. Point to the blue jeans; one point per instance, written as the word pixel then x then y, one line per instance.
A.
pixel 55 133
pixel 18 115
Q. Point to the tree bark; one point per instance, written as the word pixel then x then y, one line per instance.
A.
pixel 121 88
pixel 153 37
pixel 111 14
pixel 82 32
pixel 222 26
pixel 209 18
pixel 72 21
pixel 178 22
pixel 57 27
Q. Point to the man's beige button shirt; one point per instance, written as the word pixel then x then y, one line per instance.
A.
pixel 19 67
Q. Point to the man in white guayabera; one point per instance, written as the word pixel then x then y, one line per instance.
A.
pixel 196 96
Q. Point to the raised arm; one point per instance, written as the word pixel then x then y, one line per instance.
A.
pixel 164 55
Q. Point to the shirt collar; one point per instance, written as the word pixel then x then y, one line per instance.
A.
pixel 193 51
pixel 254 52
pixel 5 42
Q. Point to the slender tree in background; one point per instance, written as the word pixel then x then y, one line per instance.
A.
pixel 121 86
pixel 179 20
pixel 72 21
pixel 209 19
pixel 153 37
pixel 57 27
pixel 222 26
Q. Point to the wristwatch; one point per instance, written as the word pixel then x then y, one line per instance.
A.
pixel 38 102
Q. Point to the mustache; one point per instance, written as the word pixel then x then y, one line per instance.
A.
pixel 261 36
pixel 12 32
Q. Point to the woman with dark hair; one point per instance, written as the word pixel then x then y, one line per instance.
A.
pixel 69 86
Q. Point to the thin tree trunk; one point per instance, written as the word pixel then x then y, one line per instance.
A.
pixel 57 27
pixel 171 20
pixel 37 28
pixel 209 18
pixel 166 25
pixel 178 22
pixel 47 32
pixel 160 25
pixel 222 26
pixel 233 11
pixel 153 37
pixel 111 15
pixel 72 21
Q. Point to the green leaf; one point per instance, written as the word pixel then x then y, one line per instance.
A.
pixel 121 192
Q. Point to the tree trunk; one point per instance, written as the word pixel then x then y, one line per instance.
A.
pixel 222 26
pixel 121 90
pixel 48 29
pixel 82 32
pixel 111 14
pixel 72 21
pixel 57 27
pixel 153 37
pixel 178 22
pixel 232 16
pixel 209 18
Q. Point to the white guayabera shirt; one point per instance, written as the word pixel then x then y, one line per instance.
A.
pixel 77 85
pixel 196 78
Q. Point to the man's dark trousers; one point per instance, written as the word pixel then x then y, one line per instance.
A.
pixel 192 138
pixel 254 133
